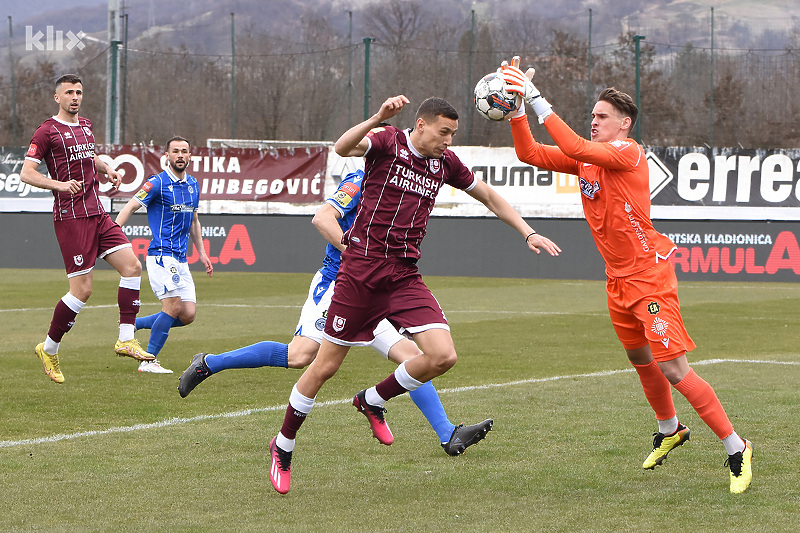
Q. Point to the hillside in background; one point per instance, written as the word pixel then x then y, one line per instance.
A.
pixel 299 68
pixel 738 23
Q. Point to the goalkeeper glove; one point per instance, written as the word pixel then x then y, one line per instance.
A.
pixel 520 83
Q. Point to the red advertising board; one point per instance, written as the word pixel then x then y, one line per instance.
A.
pixel 277 175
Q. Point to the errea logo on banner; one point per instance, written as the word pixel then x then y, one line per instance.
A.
pixel 54 40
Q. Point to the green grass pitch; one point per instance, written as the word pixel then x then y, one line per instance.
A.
pixel 115 450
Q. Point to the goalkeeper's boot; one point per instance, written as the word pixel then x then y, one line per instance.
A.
pixel 663 444
pixel 465 436
pixel 50 363
pixel 133 349
pixel 375 415
pixel 280 468
pixel 192 377
pixel 741 471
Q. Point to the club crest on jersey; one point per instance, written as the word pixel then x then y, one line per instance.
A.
pixel 589 189
pixel 338 323
pixel 653 308
pixel 78 259
pixel 435 165
pixel 660 327
pixel 87 131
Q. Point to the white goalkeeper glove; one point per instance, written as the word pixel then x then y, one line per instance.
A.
pixel 520 83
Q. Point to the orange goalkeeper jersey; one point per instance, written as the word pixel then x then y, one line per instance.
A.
pixel 615 191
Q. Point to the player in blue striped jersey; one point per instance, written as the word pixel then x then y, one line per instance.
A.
pixel 333 218
pixel 172 198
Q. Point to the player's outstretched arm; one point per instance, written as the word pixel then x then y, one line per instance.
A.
pixel 500 207
pixel 352 143
pixel 125 213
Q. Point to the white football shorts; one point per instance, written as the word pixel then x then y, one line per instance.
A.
pixel 315 312
pixel 169 278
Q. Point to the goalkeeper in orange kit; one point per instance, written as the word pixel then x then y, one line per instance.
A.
pixel 641 285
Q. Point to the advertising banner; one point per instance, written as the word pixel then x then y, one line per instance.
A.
pixel 293 176
pixel 685 183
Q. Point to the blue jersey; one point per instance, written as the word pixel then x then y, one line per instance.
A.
pixel 171 204
pixel 345 200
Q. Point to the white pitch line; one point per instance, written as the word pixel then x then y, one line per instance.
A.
pixel 245 412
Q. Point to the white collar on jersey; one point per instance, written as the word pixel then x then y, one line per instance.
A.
pixel 411 146
pixel 173 177
pixel 76 123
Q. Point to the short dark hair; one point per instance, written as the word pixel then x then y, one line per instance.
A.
pixel 436 107
pixel 177 138
pixel 621 101
pixel 68 78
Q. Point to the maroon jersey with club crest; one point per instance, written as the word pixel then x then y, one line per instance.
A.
pixel 398 193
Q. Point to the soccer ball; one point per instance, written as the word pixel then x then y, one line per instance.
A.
pixel 491 99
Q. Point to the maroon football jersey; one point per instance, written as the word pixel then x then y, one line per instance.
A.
pixel 398 193
pixel 68 151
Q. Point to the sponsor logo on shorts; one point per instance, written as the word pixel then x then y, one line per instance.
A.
pixel 338 323
pixel 653 308
pixel 78 259
pixel 659 327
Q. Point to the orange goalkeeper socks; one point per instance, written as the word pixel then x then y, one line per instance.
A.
pixel 657 390
pixel 704 400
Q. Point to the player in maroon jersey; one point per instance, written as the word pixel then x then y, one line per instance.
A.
pixel 85 232
pixel 378 277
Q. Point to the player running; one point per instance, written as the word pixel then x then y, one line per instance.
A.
pixel 84 230
pixel 641 284
pixel 332 220
pixel 172 199
pixel 378 277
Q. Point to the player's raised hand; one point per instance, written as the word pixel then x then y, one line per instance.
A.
pixel 392 106
pixel 520 82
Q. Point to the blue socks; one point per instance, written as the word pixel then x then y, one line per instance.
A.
pixel 146 322
pixel 266 353
pixel 159 331
pixel 427 400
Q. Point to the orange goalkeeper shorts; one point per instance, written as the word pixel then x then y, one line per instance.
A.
pixel 644 310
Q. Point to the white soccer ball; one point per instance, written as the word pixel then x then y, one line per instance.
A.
pixel 491 99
